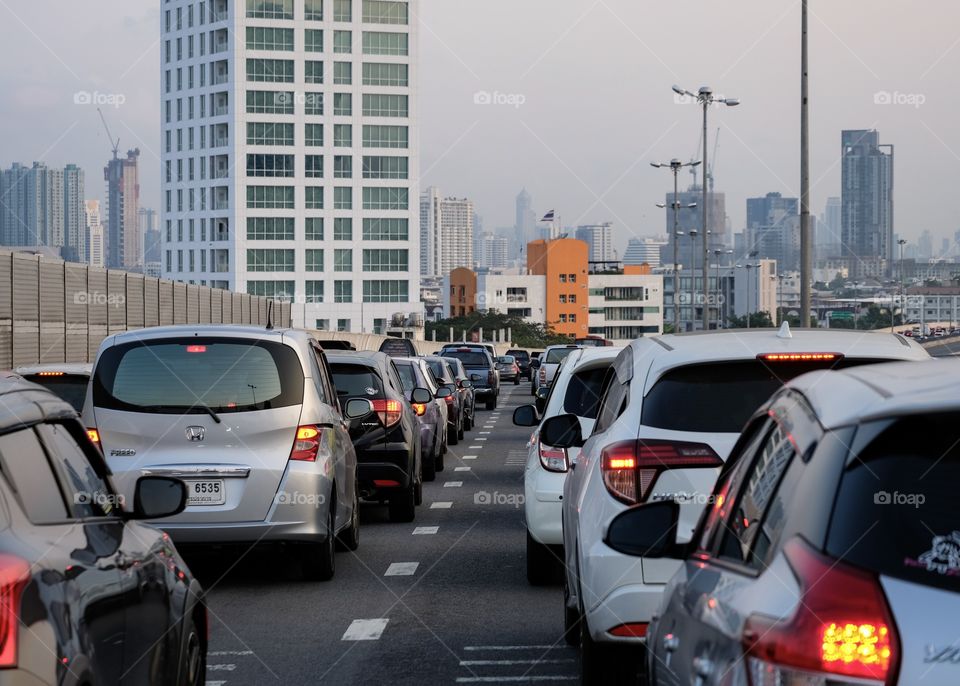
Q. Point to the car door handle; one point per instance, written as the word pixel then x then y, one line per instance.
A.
pixel 671 643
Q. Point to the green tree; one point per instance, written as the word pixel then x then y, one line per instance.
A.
pixel 758 320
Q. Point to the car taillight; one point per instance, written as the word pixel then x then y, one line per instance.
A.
pixel 800 357
pixel 842 626
pixel 553 459
pixel 388 411
pixel 14 574
pixel 543 377
pixel 306 446
pixel 94 436
pixel 419 408
pixel 631 468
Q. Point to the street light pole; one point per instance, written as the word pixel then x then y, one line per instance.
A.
pixel 806 240
pixel 903 307
pixel 693 277
pixel 675 166
pixel 706 98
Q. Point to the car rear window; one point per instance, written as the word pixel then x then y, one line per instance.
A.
pixel 178 376
pixel 558 355
pixel 469 359
pixel 521 355
pixel 407 375
pixel 356 381
pixel 897 512
pixel 721 397
pixel 584 392
pixel 69 387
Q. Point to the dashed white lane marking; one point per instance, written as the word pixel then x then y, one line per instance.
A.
pixel 511 679
pixel 215 653
pixel 481 439
pixel 402 569
pixel 215 683
pixel 462 469
pixel 481 663
pixel 484 433
pixel 425 530
pixel 453 484
pixel 441 505
pixel 475 447
pixel 469 457
pixel 365 629
pixel 475 648
pixel 221 668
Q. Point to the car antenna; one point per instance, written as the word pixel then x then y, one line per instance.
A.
pixel 269 315
pixel 785 331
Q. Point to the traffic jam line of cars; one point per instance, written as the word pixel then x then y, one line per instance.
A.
pixel 218 435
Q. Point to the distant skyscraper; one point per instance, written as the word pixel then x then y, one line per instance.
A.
pixel 867 196
pixel 74 215
pixel 828 238
pixel 526 224
pixel 925 245
pixel 148 230
pixel 773 229
pixel 95 235
pixel 492 251
pixel 123 204
pixel 692 218
pixel 600 239
pixel 446 233
pixel 43 207
pixel 643 250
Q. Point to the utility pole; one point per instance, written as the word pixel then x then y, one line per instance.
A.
pixel 675 166
pixel 806 247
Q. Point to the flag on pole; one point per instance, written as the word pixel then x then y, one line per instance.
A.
pixel 548 217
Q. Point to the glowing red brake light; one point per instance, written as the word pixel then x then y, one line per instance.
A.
pixel 842 624
pixel 196 348
pixel 50 373
pixel 14 574
pixel 631 468
pixel 800 357
pixel 388 411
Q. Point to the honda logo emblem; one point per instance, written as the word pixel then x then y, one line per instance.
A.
pixel 195 433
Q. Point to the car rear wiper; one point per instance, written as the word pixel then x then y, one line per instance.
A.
pixel 179 408
pixel 209 411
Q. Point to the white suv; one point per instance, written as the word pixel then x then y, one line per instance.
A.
pixel 665 425
pixel 577 390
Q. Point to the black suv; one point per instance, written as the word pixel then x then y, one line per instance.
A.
pixel 523 361
pixel 388 441
pixel 482 370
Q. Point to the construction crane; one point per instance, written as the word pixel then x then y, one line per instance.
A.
pixel 116 146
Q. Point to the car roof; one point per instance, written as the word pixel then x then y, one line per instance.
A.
pixel 590 356
pixel 879 391
pixel 72 368
pixel 673 351
pixel 368 358
pixel 23 403
pixel 180 330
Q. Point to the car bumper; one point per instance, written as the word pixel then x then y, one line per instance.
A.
pixel 543 504
pixel 392 463
pixel 483 392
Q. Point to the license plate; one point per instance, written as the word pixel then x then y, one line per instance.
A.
pixel 206 492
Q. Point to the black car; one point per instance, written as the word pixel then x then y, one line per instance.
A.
pixel 482 370
pixel 455 402
pixel 522 358
pixel 389 468
pixel 466 390
pixel 90 594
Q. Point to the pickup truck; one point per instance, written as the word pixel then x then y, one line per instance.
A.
pixel 550 362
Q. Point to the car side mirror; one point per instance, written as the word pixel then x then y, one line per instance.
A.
pixel 358 408
pixel 444 392
pixel 158 496
pixel 648 530
pixel 535 363
pixel 562 431
pixel 526 415
pixel 421 396
pixel 465 383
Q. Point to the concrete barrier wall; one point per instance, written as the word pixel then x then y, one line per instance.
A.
pixel 54 311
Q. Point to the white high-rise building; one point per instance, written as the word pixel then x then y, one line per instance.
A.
pixel 290 154
pixel 95 234
pixel 600 239
pixel 446 233
pixel 492 251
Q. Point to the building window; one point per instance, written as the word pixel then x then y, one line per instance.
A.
pixel 563 319
pixel 343 104
pixel 573 278
pixel 313 10
pixel 314 228
pixel 386 198
pixel 343 135
pixel 269 38
pixel 278 290
pixel 343 10
pixel 385 291
pixel 382 136
pixel 270 197
pixel 269 102
pixel 268 133
pixel 313 40
pixel 313 71
pixel 342 167
pixel 385 12
pixel 382 43
pixel 383 167
pixel 322 324
pixel 270 165
pixel 343 291
pixel 563 300
pixel 313 135
pixel 385 260
pixel 343 260
pixel 573 319
pixel 385 105
pixel 342 73
pixel 314 294
pixel 386 229
pixel 313 104
pixel 343 42
pixel 573 298
pixel 313 166
pixel 278 71
pixel 386 74
pixel 314 260
pixel 270 260
pixel 343 325
pixel 343 229
pixel 314 197
pixel 563 278
pixel 343 198
pixel 269 9
pixel 270 228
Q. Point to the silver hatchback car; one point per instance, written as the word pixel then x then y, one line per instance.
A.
pixel 248 418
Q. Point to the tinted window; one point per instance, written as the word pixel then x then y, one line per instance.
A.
pixel 70 387
pixel 897 510
pixel 584 393
pixel 87 493
pixel 176 376
pixel 719 398
pixel 470 359
pixel 456 366
pixel 28 472
pixel 356 381
pixel 521 355
pixel 407 375
pixel 557 355
pixel 612 406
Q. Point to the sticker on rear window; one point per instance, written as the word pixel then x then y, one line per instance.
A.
pixel 370 391
pixel 943 557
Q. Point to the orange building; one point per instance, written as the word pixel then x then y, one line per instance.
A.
pixel 463 292
pixel 564 263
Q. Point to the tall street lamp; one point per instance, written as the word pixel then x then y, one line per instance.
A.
pixel 705 98
pixel 903 306
pixel 675 166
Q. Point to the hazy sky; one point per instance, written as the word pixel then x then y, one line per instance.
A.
pixel 595 105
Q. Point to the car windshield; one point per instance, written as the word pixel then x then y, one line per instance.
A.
pixel 69 387
pixel 469 359
pixel 584 392
pixel 557 355
pixel 356 381
pixel 196 375
pixel 897 510
pixel 408 376
pixel 720 397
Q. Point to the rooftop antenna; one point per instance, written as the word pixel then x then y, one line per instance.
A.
pixel 116 146
pixel 269 315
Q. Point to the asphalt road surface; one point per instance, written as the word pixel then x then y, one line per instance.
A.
pixel 441 600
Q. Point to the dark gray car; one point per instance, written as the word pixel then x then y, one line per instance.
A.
pixel 415 373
